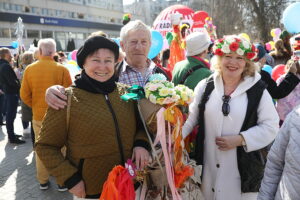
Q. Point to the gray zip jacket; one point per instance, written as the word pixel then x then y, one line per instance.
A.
pixel 282 174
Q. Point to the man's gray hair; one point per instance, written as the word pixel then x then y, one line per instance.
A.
pixel 47 47
pixel 3 52
pixel 134 25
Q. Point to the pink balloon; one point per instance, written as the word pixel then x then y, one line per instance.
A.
pixel 268 46
pixel 277 31
pixel 73 55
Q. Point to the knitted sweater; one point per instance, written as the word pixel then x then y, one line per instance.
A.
pixel 92 145
pixel 37 78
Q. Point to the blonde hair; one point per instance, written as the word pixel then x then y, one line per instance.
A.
pixel 134 25
pixel 98 33
pixel 249 70
pixel 27 58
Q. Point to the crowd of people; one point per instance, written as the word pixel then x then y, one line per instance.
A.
pixel 81 130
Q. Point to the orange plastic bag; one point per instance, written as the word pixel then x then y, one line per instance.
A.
pixel 118 186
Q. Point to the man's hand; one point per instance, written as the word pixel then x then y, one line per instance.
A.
pixel 78 190
pixel 141 157
pixel 55 97
pixel 226 143
pixel 1 92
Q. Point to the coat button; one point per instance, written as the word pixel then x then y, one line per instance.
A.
pixel 218 165
pixel 213 189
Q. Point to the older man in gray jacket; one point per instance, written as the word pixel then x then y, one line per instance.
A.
pixel 282 174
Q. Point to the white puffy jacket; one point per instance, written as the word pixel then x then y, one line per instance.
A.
pixel 282 174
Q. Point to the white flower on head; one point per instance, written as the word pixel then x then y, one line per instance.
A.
pixel 225 48
pixel 240 51
pixel 230 39
pixel 246 44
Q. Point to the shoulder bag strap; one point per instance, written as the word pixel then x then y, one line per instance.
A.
pixel 69 95
pixel 189 72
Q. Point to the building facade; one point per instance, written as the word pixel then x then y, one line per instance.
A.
pixel 67 21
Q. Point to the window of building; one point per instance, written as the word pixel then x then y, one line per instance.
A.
pixel 44 11
pixel 33 34
pixel 26 9
pixel 17 8
pixel 61 41
pixel 7 6
pixel 4 33
pixel 47 34
pixel 80 36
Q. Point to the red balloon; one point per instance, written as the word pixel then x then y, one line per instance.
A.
pixel 278 71
pixel 199 19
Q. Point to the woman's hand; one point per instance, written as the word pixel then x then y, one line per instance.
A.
pixel 78 190
pixel 141 157
pixel 226 143
pixel 55 97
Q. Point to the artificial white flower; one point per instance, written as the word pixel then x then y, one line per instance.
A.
pixel 230 39
pixel 246 44
pixel 225 48
pixel 164 92
pixel 152 98
pixel 240 52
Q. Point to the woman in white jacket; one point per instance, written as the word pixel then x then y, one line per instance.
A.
pixel 224 114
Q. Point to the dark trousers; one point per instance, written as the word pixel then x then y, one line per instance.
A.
pixel 2 111
pixel 11 112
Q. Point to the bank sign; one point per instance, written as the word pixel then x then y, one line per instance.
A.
pixel 32 19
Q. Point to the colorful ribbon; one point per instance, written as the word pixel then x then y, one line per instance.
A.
pixel 135 92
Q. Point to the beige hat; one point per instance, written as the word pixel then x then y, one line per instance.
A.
pixel 196 43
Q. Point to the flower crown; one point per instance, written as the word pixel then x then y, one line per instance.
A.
pixel 237 44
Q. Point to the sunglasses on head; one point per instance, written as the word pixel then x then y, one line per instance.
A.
pixel 226 106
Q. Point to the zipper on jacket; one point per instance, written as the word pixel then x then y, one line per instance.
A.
pixel 118 134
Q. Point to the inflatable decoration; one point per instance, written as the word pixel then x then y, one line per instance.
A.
pixel 163 24
pixel 199 21
pixel 278 71
pixel 156 44
pixel 290 18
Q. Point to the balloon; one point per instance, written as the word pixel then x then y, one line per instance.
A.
pixel 156 44
pixel 277 32
pixel 268 69
pixel 278 71
pixel 272 43
pixel 117 40
pixel 273 32
pixel 268 46
pixel 73 55
pixel 70 56
pixel 162 23
pixel 290 18
pixel 72 62
pixel 245 36
pixel 14 44
pixel 199 19
pixel 73 69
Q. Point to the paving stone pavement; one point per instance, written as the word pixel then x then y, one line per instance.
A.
pixel 17 171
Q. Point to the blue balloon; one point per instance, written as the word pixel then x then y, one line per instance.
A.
pixel 156 44
pixel 268 69
pixel 70 56
pixel 290 18
pixel 117 40
pixel 14 44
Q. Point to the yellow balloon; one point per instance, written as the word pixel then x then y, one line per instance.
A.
pixel 273 32
pixel 245 36
pixel 72 62
pixel 272 43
